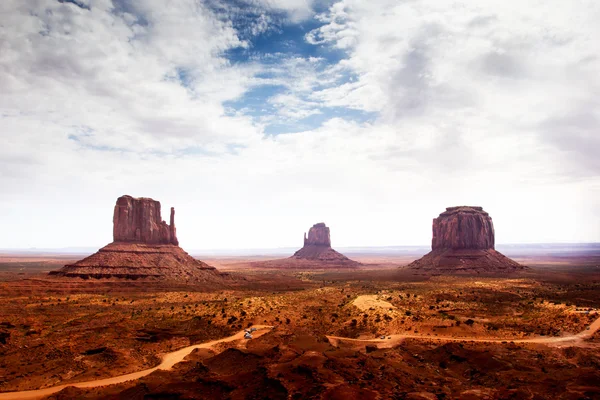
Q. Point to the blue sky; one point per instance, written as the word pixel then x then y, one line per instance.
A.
pixel 258 118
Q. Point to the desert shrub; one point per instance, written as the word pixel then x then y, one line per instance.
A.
pixel 492 326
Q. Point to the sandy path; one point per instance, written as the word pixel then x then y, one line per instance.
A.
pixel 168 361
pixel 368 301
pixel 576 339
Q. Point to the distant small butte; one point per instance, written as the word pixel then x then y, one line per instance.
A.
pixel 317 247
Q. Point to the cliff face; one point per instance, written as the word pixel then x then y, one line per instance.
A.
pixel 144 247
pixel 139 220
pixel 463 228
pixel 318 235
pixel 463 242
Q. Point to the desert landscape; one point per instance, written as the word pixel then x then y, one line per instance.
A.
pixel 373 327
pixel 299 200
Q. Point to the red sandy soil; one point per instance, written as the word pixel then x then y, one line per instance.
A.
pixel 287 364
pixel 56 332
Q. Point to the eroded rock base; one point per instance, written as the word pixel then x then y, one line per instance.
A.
pixel 465 261
pixel 138 260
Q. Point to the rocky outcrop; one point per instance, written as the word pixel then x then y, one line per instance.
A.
pixel 139 220
pixel 127 260
pixel 318 235
pixel 317 248
pixel 144 247
pixel 463 242
pixel 463 228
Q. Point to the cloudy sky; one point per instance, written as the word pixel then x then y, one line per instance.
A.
pixel 258 118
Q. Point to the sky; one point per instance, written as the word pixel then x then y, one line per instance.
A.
pixel 256 119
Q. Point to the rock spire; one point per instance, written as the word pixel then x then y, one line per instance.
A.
pixel 139 220
pixel 144 246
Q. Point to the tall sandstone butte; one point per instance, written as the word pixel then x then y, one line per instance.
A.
pixel 463 242
pixel 463 228
pixel 317 248
pixel 139 220
pixel 144 246
pixel 318 235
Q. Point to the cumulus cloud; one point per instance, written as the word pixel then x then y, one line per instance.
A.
pixel 477 67
pixel 146 77
pixel 296 10
pixel 487 103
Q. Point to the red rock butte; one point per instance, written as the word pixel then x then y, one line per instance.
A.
pixel 144 246
pixel 139 220
pixel 463 242
pixel 317 247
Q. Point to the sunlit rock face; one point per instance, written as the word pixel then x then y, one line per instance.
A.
pixel 318 235
pixel 139 220
pixel 463 227
pixel 463 243
pixel 144 247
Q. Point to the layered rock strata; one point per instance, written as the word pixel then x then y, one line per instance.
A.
pixel 463 242
pixel 144 246
pixel 139 220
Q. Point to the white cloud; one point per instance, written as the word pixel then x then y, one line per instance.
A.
pixel 296 10
pixel 90 69
pixel 494 71
pixel 485 103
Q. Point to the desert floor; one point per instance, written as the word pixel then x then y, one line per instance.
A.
pixel 521 336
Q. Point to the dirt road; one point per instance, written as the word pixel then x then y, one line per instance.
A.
pixel 167 363
pixel 170 359
pixel 575 340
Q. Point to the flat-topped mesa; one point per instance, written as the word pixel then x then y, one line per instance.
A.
pixel 318 235
pixel 463 242
pixel 144 247
pixel 139 220
pixel 463 227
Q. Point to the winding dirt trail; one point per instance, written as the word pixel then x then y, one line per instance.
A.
pixel 168 361
pixel 576 340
